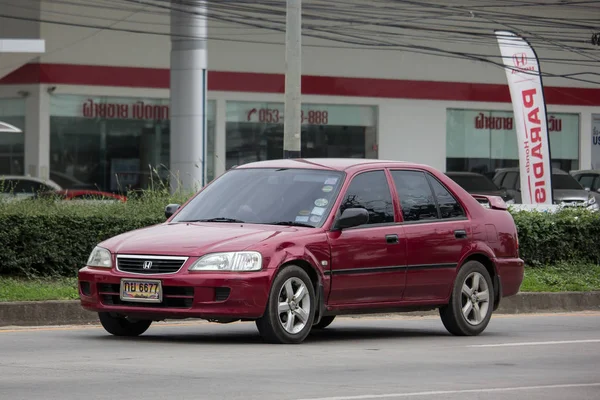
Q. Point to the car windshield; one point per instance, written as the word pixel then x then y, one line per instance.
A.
pixel 290 196
pixel 474 183
pixel 565 182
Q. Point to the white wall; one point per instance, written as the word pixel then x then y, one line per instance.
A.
pixel 408 130
pixel 74 45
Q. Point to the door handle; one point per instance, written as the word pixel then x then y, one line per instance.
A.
pixel 392 239
pixel 460 234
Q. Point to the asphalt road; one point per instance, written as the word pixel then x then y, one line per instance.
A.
pixel 518 357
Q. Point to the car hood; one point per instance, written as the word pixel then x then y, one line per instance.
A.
pixel 570 195
pixel 196 239
pixel 500 193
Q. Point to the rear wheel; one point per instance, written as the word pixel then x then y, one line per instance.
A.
pixel 472 301
pixel 121 326
pixel 291 308
pixel 324 322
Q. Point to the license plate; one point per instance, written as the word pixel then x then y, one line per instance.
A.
pixel 141 290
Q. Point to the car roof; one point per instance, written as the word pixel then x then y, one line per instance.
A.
pixel 463 173
pixel 555 171
pixel 29 178
pixel 335 164
pixel 585 171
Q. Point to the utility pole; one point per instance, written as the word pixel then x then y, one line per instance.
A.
pixel 292 124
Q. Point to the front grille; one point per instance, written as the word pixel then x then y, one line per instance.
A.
pixel 150 265
pixel 173 297
pixel 572 203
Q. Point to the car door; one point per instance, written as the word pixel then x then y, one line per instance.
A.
pixel 437 234
pixel 368 262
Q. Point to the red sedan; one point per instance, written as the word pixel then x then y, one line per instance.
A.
pixel 290 244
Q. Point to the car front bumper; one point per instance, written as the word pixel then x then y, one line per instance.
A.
pixel 223 295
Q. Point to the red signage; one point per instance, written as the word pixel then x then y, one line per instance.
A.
pixel 274 116
pixel 138 110
pixel 507 123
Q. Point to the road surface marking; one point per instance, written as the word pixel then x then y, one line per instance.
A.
pixel 536 343
pixel 447 392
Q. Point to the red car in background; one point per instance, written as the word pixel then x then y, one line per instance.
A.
pixel 83 194
pixel 291 244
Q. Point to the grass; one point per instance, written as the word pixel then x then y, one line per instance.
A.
pixel 16 289
pixel 558 278
pixel 562 278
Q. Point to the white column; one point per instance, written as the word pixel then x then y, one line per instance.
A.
pixel 221 138
pixel 585 140
pixel 37 132
pixel 188 95
pixel 292 124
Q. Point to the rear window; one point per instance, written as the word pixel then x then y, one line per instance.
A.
pixel 565 182
pixel 474 183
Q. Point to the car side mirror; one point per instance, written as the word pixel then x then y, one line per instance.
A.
pixel 588 189
pixel 352 217
pixel 171 209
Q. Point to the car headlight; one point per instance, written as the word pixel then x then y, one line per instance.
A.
pixel 591 201
pixel 242 261
pixel 100 257
pixel 510 201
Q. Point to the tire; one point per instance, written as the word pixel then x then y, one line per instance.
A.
pixel 324 322
pixel 468 323
pixel 121 326
pixel 275 326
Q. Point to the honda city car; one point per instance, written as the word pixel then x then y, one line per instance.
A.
pixel 566 190
pixel 291 244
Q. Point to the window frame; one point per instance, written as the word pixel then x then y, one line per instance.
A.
pixel 344 191
pixel 428 175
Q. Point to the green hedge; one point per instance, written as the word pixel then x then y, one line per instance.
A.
pixel 43 238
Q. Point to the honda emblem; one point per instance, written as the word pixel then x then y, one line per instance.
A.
pixel 520 60
pixel 147 264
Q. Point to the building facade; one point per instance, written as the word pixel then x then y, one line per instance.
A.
pixel 94 108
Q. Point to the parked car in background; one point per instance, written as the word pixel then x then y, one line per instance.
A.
pixel 291 244
pixel 566 190
pixel 475 183
pixel 85 196
pixel 590 180
pixel 14 187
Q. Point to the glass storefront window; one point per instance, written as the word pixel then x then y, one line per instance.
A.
pixel 255 131
pixel 483 141
pixel 12 145
pixel 114 144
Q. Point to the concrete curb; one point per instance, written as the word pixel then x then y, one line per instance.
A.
pixel 44 313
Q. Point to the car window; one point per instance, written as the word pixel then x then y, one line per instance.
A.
pixel 447 203
pixel 266 196
pixel 510 180
pixel 370 190
pixel 416 198
pixel 498 179
pixel 565 182
pixel 474 183
pixel 18 186
pixel 587 181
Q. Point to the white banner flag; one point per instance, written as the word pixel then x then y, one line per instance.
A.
pixel 527 95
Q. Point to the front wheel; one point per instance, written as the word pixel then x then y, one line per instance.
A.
pixel 471 303
pixel 291 308
pixel 121 326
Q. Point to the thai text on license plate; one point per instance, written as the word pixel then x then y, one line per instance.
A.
pixel 141 290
